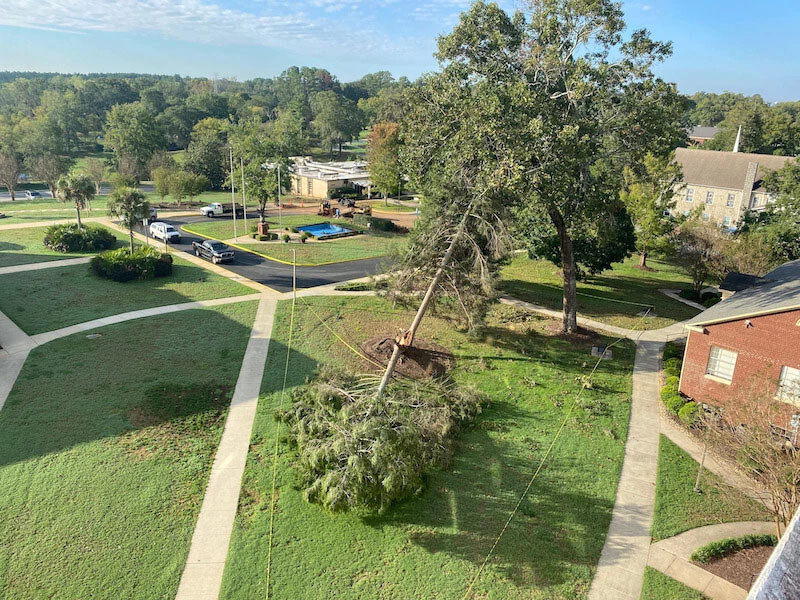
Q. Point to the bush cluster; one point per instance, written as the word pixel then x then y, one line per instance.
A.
pixel 145 262
pixel 673 350
pixel 374 222
pixel 285 238
pixel 265 237
pixel 672 367
pixel 359 452
pixel 68 238
pixel 721 548
pixel 304 236
pixel 348 193
pixel 689 413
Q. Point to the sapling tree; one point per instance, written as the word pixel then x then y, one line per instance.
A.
pixel 130 206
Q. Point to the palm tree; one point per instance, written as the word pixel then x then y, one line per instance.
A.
pixel 129 206
pixel 78 189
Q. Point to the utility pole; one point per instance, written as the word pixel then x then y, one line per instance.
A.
pixel 233 196
pixel 244 196
pixel 280 206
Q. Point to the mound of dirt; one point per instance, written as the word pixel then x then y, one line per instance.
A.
pixel 582 336
pixel 423 359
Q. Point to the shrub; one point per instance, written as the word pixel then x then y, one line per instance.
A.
pixel 359 452
pixel 689 413
pixel 690 295
pixel 672 350
pixel 68 238
pixel 304 236
pixel 253 228
pixel 145 262
pixel 721 548
pixel 673 402
pixel 374 222
pixel 266 237
pixel 709 302
pixel 672 367
pixel 285 238
pixel 293 229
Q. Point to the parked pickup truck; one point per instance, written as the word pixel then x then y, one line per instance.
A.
pixel 217 209
pixel 213 250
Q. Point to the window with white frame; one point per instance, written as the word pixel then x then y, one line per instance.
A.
pixel 706 217
pixel 721 363
pixel 709 197
pixel 726 220
pixel 730 201
pixel 789 385
pixel 689 194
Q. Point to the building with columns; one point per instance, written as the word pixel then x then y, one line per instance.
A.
pixel 725 184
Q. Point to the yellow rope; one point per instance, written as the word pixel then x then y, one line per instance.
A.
pixel 277 439
pixel 544 459
pixel 338 337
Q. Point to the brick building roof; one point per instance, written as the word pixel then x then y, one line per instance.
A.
pixel 725 169
pixel 777 291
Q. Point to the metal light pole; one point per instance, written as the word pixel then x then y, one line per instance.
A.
pixel 233 196
pixel 244 196
pixel 280 206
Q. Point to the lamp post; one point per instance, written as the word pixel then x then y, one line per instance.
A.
pixel 233 196
pixel 244 196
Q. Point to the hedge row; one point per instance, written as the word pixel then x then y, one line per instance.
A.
pixel 722 548
pixel 687 411
pixel 68 238
pixel 145 262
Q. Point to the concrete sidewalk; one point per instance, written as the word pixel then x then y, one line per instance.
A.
pixel 624 556
pixel 202 575
pixel 50 264
pixel 672 557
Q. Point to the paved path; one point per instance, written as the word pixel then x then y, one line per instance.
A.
pixel 49 336
pixel 202 576
pixel 68 262
pixel 672 557
pixel 624 556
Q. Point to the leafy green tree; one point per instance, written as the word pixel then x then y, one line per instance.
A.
pixel 77 189
pixel 383 158
pixel 336 119
pixel 162 181
pixel 130 206
pixel 700 250
pixel 566 119
pixel 650 197
pixel 207 156
pixel 180 185
pixel 96 170
pixel 50 168
pixel 132 132
pixel 11 158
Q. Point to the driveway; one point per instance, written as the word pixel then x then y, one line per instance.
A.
pixel 277 275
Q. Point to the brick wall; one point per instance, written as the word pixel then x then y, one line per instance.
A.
pixel 772 342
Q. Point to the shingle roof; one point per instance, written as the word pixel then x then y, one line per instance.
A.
pixel 703 133
pixel 777 291
pixel 724 169
pixel 736 282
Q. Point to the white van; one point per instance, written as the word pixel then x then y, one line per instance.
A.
pixel 165 232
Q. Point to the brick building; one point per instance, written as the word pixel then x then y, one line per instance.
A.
pixel 725 184
pixel 752 336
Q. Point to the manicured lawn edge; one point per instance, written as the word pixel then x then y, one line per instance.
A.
pixel 657 586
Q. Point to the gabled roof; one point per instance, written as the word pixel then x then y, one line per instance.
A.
pixel 736 282
pixel 778 291
pixel 703 133
pixel 724 169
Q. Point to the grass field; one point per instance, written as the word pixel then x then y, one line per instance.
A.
pixel 105 449
pixel 679 508
pixel 539 281
pixel 657 586
pixel 431 546
pixel 25 246
pixel 391 206
pixel 369 245
pixel 39 301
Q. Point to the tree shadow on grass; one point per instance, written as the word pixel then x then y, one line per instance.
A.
pixel 556 531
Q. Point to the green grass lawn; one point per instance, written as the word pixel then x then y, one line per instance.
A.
pixel 431 546
pixel 39 301
pixel 105 449
pixel 368 245
pixel 539 281
pixel 679 508
pixel 25 246
pixel 392 206
pixel 657 586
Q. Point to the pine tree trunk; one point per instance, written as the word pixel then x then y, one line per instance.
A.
pixel 570 271
pixel 423 307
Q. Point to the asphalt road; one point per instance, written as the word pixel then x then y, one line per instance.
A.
pixel 277 275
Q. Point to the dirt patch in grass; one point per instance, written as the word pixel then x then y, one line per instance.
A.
pixel 581 337
pixel 742 567
pixel 423 359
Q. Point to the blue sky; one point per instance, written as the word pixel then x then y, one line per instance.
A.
pixel 719 44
